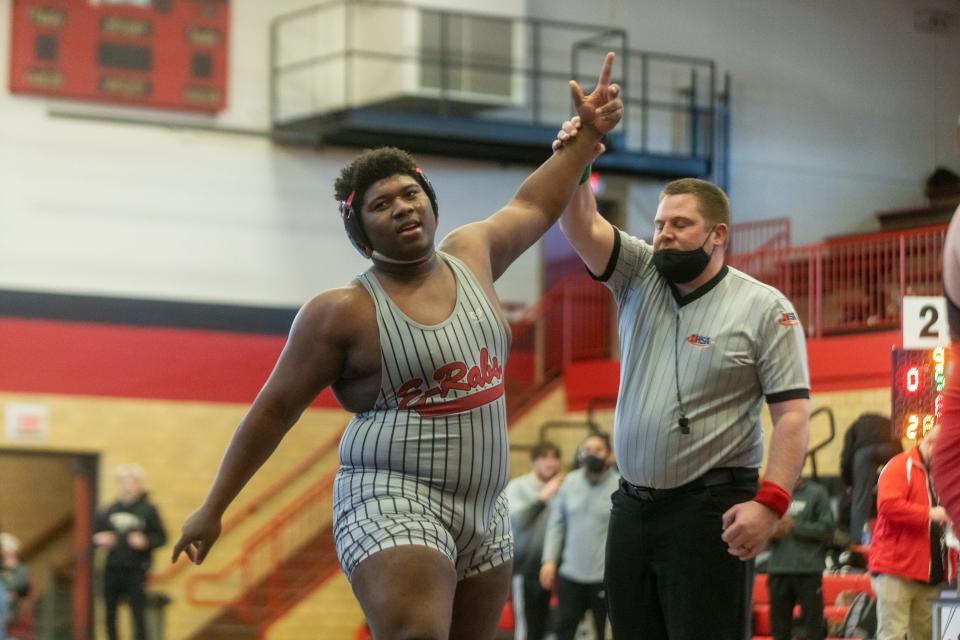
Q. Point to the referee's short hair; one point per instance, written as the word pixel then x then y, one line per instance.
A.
pixel 543 449
pixel 714 205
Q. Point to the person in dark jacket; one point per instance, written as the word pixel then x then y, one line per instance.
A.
pixel 797 560
pixel 130 529
pixel 868 444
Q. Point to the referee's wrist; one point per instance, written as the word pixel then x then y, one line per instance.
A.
pixel 774 497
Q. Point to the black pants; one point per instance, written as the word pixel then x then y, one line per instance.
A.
pixel 575 598
pixel 125 582
pixel 668 573
pixel 805 589
pixel 531 602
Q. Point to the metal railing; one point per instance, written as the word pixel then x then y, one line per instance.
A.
pixel 263 553
pixel 330 49
pixel 678 93
pixel 333 57
pixel 751 237
pixel 573 321
pixel 817 448
pixel 852 284
pixel 257 503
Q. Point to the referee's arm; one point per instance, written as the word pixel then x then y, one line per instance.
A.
pixel 749 525
pixel 589 233
pixel 788 443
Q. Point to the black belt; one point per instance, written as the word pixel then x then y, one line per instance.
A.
pixel 712 478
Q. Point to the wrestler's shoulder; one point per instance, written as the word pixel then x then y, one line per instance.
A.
pixel 342 309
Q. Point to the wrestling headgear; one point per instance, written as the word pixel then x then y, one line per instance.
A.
pixel 354 225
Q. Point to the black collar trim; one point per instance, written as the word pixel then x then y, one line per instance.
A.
pixel 703 290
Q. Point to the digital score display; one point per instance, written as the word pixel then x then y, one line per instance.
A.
pixel 919 377
pixel 157 53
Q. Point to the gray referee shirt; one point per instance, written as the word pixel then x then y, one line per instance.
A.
pixel 716 352
pixel 578 522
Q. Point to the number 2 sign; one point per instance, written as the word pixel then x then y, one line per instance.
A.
pixel 925 322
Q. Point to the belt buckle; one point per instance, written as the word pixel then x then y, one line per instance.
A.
pixel 640 493
pixel 716 477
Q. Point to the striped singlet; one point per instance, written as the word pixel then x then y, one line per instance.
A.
pixel 427 465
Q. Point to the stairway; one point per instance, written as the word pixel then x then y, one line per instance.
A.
pixel 302 572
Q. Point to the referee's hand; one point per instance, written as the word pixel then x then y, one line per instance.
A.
pixel 747 528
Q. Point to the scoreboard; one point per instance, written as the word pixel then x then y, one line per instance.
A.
pixel 919 376
pixel 155 53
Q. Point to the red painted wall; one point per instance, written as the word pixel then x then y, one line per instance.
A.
pixel 842 363
pixel 74 358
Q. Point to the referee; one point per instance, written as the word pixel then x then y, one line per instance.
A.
pixel 703 345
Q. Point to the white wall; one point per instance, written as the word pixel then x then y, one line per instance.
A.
pixel 148 211
pixel 840 108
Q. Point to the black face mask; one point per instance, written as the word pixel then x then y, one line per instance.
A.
pixel 593 464
pixel 678 267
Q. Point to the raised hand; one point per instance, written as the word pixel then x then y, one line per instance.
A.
pixel 568 131
pixel 602 109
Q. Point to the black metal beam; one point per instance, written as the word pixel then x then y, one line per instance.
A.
pixel 464 137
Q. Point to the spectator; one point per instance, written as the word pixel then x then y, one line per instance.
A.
pixel 868 444
pixel 130 529
pixel 14 581
pixel 577 525
pixel 529 496
pixel 797 560
pixel 4 608
pixel 908 558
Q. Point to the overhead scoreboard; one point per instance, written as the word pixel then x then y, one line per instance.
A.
pixel 157 53
pixel 919 377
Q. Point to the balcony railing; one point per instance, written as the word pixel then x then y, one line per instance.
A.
pixel 751 237
pixel 852 284
pixel 470 84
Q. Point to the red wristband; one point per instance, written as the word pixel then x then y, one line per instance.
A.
pixel 774 497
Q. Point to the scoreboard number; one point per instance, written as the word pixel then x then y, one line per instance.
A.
pixel 925 322
pixel 919 378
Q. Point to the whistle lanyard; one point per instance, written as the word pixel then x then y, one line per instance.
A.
pixel 683 422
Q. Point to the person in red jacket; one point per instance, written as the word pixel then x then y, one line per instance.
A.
pixel 908 558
